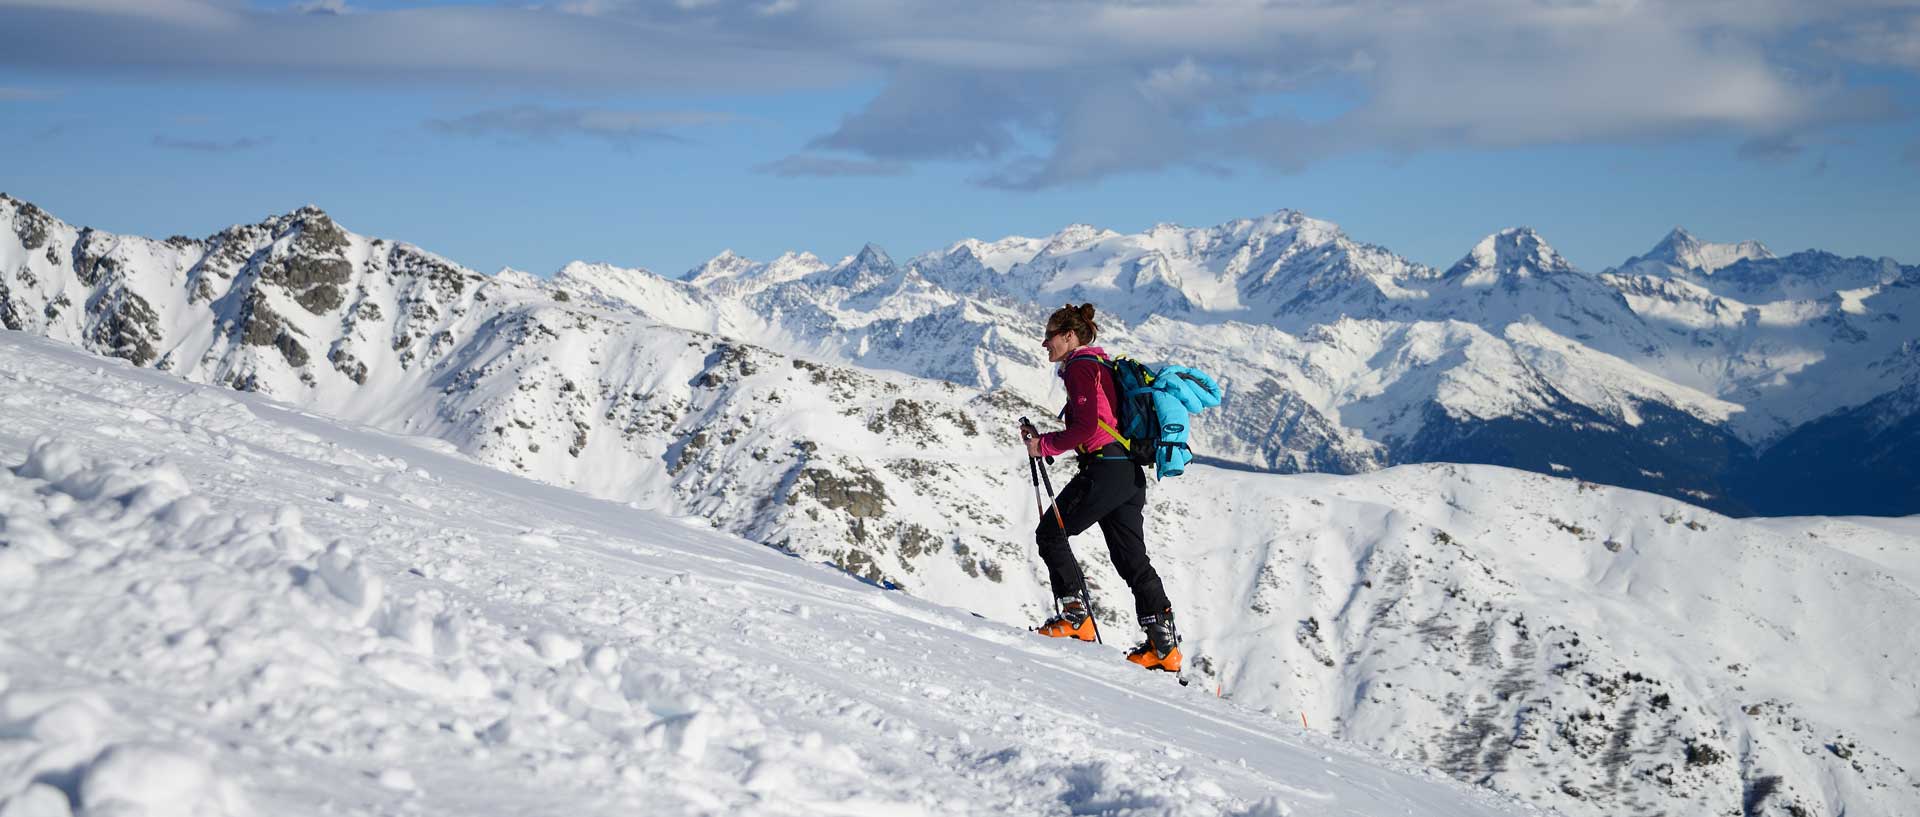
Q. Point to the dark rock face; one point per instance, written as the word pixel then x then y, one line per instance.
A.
pixel 1864 460
pixel 859 494
pixel 127 328
pixel 344 362
pixel 261 326
pixel 30 224
pixel 9 311
pixel 315 268
pixel 89 264
pixel 1670 452
pixel 1298 437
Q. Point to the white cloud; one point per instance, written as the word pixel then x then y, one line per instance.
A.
pixel 484 46
pixel 1044 92
pixel 324 7
pixel 181 12
pixel 1182 80
pixel 1415 75
pixel 1887 42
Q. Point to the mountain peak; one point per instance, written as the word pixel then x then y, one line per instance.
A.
pixel 727 264
pixel 1280 219
pixel 798 257
pixel 1680 249
pixel 1074 237
pixel 308 213
pixel 1513 252
pixel 872 256
pixel 1677 244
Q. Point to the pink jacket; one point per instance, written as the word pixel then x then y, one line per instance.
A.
pixel 1089 403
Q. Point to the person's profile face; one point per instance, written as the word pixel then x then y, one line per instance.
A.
pixel 1059 342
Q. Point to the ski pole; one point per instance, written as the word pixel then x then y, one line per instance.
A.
pixel 1039 475
pixel 1026 431
pixel 1085 597
pixel 1049 482
pixel 1043 475
pixel 1033 468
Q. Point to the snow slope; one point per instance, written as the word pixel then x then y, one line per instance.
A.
pixel 275 575
pixel 216 605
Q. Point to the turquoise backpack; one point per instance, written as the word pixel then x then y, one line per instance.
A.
pixel 1154 408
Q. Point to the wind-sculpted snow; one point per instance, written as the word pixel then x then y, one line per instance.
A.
pixel 287 616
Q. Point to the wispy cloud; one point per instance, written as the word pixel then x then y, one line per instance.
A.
pixel 196 13
pixel 805 165
pixel 59 129
pixel 1771 148
pixel 26 94
pixel 1044 94
pixel 211 145
pixel 324 7
pixel 542 123
pixel 483 45
pixel 1894 41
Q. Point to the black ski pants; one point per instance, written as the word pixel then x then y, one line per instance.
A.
pixel 1112 494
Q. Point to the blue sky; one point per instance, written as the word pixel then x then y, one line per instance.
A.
pixel 657 134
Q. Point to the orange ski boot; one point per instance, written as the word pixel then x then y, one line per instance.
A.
pixel 1161 650
pixel 1073 621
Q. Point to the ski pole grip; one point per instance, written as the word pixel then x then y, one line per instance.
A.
pixel 1027 430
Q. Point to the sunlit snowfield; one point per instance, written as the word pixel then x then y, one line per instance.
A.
pixel 216 606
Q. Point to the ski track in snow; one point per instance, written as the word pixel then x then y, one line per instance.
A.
pixel 212 605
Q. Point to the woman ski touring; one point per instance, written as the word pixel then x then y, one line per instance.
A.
pixel 1109 490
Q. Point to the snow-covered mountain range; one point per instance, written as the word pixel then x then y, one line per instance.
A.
pixel 1541 635
pixel 1718 374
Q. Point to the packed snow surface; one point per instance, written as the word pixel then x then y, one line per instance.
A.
pixel 214 605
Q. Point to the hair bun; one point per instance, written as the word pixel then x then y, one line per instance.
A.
pixel 1078 319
